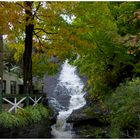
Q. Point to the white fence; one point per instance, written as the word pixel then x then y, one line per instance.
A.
pixel 16 102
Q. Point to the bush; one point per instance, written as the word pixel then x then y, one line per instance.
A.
pixel 9 120
pixel 23 117
pixel 125 109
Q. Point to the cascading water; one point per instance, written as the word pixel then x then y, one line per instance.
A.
pixel 74 86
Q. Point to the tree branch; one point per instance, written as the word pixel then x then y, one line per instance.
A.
pixel 38 39
pixel 36 34
pixel 39 4
pixel 45 31
pixel 20 5
pixel 39 18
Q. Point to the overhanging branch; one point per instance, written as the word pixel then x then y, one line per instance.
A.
pixel 45 31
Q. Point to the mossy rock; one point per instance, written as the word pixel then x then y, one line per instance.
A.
pixel 95 113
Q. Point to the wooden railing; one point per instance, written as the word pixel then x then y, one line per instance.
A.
pixel 12 102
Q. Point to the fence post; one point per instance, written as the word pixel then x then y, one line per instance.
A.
pixel 27 94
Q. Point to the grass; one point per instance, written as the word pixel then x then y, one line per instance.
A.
pixel 29 115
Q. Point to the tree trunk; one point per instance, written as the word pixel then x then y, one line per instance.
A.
pixel 27 56
pixel 1 70
pixel 1 56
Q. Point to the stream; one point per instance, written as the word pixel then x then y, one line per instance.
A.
pixel 68 96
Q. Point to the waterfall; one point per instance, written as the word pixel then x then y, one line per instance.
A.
pixel 70 81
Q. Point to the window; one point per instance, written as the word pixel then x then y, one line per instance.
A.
pixel 4 87
pixel 13 87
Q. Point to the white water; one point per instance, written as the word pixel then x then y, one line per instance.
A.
pixel 74 85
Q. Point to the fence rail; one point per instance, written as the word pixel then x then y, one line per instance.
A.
pixel 12 102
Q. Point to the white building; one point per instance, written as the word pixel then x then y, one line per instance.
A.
pixel 11 83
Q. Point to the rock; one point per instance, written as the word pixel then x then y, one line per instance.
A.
pixel 57 95
pixel 91 131
pixel 88 115
pixel 53 116
pixel 89 119
pixel 44 100
pixel 40 129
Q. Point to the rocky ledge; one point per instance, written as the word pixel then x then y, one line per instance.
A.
pixel 91 121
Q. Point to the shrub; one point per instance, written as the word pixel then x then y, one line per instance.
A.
pixel 125 109
pixel 9 120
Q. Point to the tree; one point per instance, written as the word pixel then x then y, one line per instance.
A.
pixel 102 57
pixel 39 24
pixel 127 17
pixel 1 61
pixel 2 30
